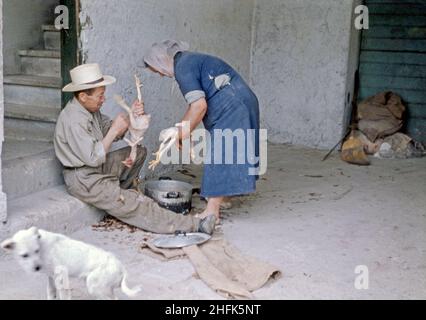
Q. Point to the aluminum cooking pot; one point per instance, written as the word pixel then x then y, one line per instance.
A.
pixel 170 194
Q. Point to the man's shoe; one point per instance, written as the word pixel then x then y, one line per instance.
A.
pixel 207 224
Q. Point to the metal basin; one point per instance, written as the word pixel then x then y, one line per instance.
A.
pixel 173 195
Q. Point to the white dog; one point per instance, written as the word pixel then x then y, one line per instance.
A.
pixel 38 250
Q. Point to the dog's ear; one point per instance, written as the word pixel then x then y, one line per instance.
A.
pixel 8 244
pixel 34 230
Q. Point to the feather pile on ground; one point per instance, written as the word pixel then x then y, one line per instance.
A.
pixel 110 223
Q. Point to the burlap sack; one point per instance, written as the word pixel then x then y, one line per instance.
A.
pixel 380 115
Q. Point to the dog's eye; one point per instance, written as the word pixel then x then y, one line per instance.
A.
pixel 25 255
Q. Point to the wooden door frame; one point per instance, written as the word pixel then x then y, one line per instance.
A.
pixel 70 51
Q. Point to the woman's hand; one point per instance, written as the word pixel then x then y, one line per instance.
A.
pixel 138 108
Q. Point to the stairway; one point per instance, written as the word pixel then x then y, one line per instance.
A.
pixel 32 102
pixel 32 176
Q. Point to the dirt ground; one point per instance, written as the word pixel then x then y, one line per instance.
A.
pixel 315 221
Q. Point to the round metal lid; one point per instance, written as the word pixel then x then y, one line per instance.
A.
pixel 180 240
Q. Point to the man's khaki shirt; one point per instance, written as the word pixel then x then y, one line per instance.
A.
pixel 78 136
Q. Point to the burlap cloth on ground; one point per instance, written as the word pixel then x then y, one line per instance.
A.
pixel 221 266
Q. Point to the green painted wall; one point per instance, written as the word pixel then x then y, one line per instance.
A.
pixel 393 57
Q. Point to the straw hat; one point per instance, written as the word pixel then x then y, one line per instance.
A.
pixel 87 76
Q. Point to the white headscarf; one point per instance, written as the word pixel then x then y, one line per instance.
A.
pixel 161 55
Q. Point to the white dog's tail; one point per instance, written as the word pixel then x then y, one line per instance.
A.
pixel 128 291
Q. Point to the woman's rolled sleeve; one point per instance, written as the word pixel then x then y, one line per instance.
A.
pixel 194 95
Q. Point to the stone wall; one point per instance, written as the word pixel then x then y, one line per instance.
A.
pixel 301 56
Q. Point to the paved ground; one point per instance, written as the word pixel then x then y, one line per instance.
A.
pixel 316 221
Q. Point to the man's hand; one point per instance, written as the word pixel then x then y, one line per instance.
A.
pixel 120 124
pixel 138 108
pixel 128 162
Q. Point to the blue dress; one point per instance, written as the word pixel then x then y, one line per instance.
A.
pixel 231 104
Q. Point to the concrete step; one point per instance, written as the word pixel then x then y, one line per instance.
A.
pixel 24 122
pixel 52 209
pixel 48 27
pixel 23 129
pixel 17 149
pixel 27 112
pixel 33 80
pixel 41 62
pixel 41 53
pixel 28 167
pixel 51 37
pixel 32 90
